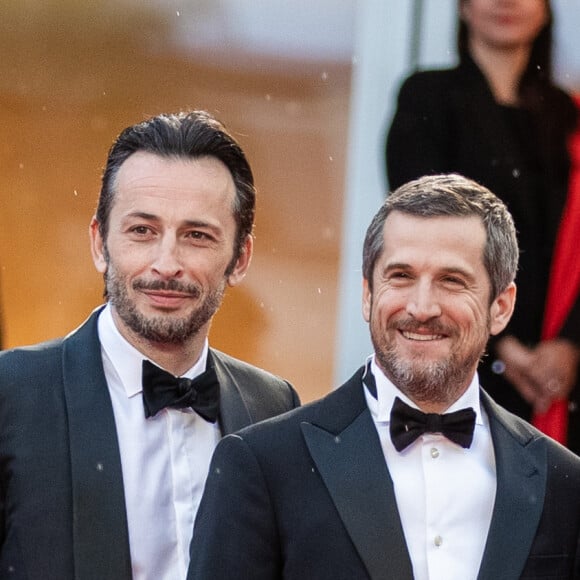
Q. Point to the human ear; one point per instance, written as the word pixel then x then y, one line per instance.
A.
pixel 502 308
pixel 243 262
pixel 98 250
pixel 367 299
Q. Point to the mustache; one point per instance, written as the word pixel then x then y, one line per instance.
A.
pixel 412 325
pixel 169 285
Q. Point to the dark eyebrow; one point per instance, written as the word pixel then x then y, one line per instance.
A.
pixel 397 266
pixel 457 270
pixel 460 272
pixel 152 217
pixel 450 270
pixel 197 224
pixel 185 224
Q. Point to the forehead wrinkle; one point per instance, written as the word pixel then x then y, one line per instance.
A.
pixel 141 215
pixel 172 175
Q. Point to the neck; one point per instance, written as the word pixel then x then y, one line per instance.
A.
pixel 502 68
pixel 432 407
pixel 174 358
pixel 432 393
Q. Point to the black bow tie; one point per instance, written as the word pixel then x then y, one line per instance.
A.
pixel 161 389
pixel 407 424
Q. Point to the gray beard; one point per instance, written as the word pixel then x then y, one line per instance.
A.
pixel 438 382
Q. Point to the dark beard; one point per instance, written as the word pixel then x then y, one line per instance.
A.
pixel 162 329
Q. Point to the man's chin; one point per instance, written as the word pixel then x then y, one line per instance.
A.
pixel 419 360
pixel 169 329
pixel 421 369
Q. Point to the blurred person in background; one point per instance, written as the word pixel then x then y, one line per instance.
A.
pixel 499 118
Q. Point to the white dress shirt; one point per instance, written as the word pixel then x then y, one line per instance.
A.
pixel 165 461
pixel 445 493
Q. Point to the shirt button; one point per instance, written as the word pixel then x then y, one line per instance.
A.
pixel 438 540
pixel 434 452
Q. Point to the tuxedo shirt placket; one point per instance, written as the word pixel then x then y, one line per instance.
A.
pixel 444 493
pixel 165 460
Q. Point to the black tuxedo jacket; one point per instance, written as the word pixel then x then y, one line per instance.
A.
pixel 308 495
pixel 448 121
pixel 62 507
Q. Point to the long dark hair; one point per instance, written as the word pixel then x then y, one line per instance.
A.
pixel 536 87
pixel 539 69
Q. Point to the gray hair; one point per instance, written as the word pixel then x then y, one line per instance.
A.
pixel 452 195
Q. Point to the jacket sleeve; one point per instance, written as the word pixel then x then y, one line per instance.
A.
pixel 418 140
pixel 235 534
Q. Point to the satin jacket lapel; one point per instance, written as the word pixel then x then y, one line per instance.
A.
pixel 234 413
pixel 521 482
pixel 100 536
pixel 351 463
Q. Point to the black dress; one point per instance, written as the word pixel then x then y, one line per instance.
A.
pixel 448 121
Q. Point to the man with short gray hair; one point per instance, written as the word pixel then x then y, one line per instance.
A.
pixel 408 471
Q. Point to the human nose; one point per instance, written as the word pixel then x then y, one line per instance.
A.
pixel 423 304
pixel 167 263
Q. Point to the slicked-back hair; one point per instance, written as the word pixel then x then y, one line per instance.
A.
pixel 185 135
pixel 456 196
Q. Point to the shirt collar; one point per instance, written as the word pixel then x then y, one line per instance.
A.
pixel 380 407
pixel 126 360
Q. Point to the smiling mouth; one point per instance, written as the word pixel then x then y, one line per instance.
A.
pixel 421 337
pixel 170 288
pixel 161 294
pixel 167 300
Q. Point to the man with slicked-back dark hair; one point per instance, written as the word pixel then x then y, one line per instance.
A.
pixel 106 435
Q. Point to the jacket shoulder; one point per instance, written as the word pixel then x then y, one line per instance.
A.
pixel 527 435
pixel 333 413
pixel 45 359
pixel 243 368
pixel 262 389
pixel 29 361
